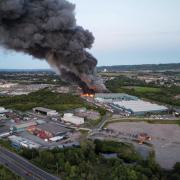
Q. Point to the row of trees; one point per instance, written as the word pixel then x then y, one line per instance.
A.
pixel 86 162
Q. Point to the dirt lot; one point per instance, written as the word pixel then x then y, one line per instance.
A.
pixel 165 138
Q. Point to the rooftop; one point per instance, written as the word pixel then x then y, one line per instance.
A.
pixel 114 96
pixel 140 106
pixel 43 109
pixel 53 128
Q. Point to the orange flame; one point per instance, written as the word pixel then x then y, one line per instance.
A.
pixel 87 95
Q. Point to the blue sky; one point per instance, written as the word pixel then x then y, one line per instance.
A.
pixel 126 32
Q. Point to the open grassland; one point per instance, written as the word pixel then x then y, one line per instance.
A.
pixel 140 89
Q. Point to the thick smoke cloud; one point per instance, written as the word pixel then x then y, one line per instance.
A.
pixel 46 29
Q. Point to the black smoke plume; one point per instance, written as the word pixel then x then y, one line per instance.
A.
pixel 46 29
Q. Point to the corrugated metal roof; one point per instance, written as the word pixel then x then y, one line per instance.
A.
pixel 53 128
pixel 24 125
pixel 114 95
pixel 140 106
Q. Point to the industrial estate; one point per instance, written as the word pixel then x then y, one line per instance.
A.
pixel 43 127
pixel 55 115
pixel 78 121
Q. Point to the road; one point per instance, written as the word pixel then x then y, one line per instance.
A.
pixel 105 118
pixel 21 166
pixel 4 160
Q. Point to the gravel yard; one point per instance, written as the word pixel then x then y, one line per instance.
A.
pixel 165 139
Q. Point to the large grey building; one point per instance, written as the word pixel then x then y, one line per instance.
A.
pixel 109 97
pixel 139 107
pixel 45 111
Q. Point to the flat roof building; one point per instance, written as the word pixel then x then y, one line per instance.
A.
pixel 22 127
pixel 18 142
pixel 68 117
pixel 53 129
pixel 3 110
pixel 110 97
pixel 45 111
pixel 139 107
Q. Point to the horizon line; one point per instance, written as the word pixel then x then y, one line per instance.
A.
pixel 49 69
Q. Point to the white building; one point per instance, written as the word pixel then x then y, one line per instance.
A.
pixel 3 110
pixel 22 142
pixel 69 117
pixel 139 107
pixel 56 138
pixel 8 85
pixel 45 111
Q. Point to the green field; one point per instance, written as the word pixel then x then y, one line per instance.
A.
pixel 140 89
pixel 113 74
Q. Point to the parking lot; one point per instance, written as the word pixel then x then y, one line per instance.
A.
pixel 165 139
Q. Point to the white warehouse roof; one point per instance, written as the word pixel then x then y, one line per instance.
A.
pixel 3 110
pixel 140 106
pixel 68 117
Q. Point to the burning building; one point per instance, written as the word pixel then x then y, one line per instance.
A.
pixel 47 29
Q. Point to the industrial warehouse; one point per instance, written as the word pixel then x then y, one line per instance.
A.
pixel 129 104
pixel 49 131
pixel 139 107
pixel 45 111
pixel 3 110
pixel 18 142
pixel 110 97
pixel 70 118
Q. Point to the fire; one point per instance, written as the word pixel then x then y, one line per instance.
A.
pixel 87 95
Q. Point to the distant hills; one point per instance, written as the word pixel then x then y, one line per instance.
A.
pixel 115 68
pixel 143 67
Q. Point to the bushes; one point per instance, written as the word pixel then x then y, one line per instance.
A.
pixel 125 152
pixel 43 98
pixel 6 174
pixel 86 162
